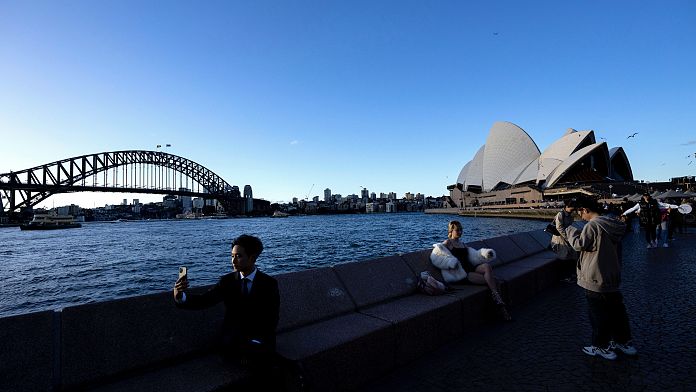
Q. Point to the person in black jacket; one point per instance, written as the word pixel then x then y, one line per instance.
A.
pixel 252 304
pixel 649 211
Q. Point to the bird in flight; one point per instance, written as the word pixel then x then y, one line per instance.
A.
pixel 634 135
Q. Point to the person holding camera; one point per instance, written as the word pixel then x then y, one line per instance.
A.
pixel 559 242
pixel 599 273
pixel 252 305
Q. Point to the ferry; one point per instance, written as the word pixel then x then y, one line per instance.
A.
pixel 280 214
pixel 51 222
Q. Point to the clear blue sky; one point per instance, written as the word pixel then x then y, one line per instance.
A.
pixel 395 96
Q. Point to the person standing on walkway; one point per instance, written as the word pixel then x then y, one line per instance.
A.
pixel 649 211
pixel 252 306
pixel 559 243
pixel 599 273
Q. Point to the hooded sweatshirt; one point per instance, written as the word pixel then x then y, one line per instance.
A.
pixel 599 265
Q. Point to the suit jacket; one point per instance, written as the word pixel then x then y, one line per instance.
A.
pixel 247 318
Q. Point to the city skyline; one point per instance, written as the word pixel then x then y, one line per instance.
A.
pixel 389 95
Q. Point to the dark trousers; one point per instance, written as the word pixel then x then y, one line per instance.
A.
pixel 650 232
pixel 608 318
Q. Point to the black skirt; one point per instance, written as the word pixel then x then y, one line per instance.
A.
pixel 462 254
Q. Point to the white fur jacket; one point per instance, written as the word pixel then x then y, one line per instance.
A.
pixel 451 268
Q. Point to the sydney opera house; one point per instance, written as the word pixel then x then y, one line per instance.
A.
pixel 510 169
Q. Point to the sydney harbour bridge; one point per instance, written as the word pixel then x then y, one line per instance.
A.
pixel 136 171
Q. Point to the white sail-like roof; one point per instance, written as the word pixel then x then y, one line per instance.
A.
pixel 560 150
pixel 620 166
pixel 474 176
pixel 508 151
pixel 511 157
pixel 572 160
pixel 461 179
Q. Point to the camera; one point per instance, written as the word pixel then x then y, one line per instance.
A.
pixel 551 229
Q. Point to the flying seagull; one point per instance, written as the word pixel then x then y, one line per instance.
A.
pixel 634 135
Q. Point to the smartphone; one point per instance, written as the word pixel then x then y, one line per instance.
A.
pixel 182 272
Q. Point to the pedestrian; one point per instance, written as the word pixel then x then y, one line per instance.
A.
pixel 252 305
pixel 650 214
pixel 599 273
pixel 559 242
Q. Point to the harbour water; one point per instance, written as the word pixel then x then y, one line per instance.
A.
pixel 44 270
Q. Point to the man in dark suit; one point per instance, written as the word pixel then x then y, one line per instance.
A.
pixel 252 303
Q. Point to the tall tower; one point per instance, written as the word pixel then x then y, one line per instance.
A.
pixel 327 195
pixel 248 199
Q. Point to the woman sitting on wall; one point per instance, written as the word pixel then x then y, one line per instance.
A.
pixel 460 263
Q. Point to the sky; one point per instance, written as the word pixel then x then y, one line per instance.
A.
pixel 293 97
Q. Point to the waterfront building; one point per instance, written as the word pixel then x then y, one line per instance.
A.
pixel 327 195
pixel 392 195
pixel 364 194
pixel 408 196
pixel 509 168
pixel 390 207
pixel 294 200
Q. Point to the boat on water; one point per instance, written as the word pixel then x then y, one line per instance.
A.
pixel 51 222
pixel 280 214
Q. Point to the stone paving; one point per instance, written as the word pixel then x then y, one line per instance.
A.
pixel 541 349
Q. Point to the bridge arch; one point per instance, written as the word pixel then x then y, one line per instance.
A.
pixel 132 171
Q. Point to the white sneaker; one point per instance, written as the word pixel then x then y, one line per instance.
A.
pixel 604 353
pixel 665 245
pixel 627 348
pixel 654 244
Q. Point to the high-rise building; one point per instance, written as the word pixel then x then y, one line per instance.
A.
pixel 327 195
pixel 186 202
pixel 364 194
pixel 392 195
pixel 249 201
pixel 373 196
pixel 408 196
pixel 294 200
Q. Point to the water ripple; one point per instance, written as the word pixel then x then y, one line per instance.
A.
pixel 51 270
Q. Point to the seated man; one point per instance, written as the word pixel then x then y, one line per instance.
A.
pixel 252 303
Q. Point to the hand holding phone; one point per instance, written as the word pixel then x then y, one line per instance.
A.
pixel 182 272
pixel 181 283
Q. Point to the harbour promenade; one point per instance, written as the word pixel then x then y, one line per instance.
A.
pixel 541 349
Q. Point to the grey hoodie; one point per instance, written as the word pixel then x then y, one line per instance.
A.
pixel 599 266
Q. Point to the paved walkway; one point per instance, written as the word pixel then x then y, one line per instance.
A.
pixel 540 350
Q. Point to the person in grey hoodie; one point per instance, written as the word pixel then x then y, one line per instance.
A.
pixel 599 273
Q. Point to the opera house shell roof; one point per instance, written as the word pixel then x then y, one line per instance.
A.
pixel 510 158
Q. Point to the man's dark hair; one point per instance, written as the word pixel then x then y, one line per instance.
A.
pixel 252 245
pixel 570 203
pixel 589 203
